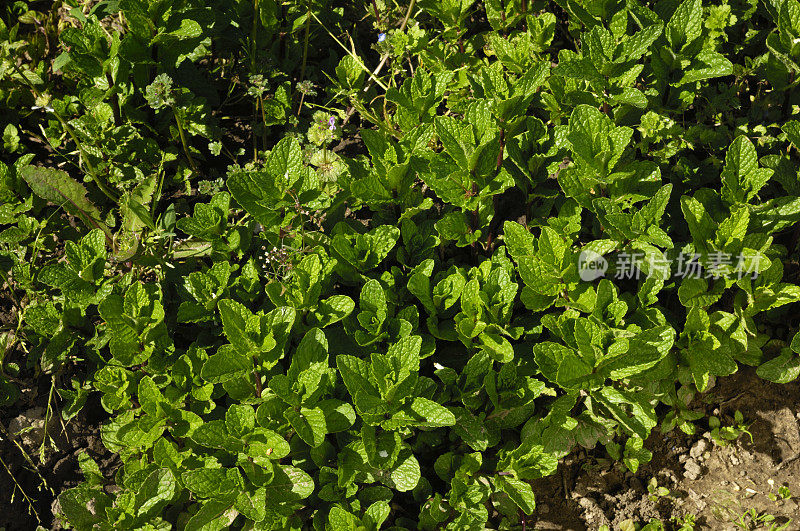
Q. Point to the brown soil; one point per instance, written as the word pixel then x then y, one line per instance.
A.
pixel 29 485
pixel 714 484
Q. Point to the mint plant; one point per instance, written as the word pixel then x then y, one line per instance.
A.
pixel 382 266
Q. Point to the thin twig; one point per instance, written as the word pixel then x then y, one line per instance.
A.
pixel 18 486
pixel 375 72
pixel 352 54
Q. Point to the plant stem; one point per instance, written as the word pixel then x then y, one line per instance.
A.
pixel 253 49
pixel 305 43
pixel 114 101
pixel 157 195
pixel 257 377
pixel 357 58
pixel 263 121
pixel 183 142
pixel 31 506
pixel 13 299
pixel 256 17
pixel 47 416
pixel 386 56
pixel 377 14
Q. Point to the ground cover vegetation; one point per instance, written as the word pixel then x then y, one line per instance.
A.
pixel 339 265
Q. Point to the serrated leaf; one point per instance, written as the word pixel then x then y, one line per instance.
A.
pixel 435 414
pixel 701 225
pixel 457 138
pixel 706 65
pixel 642 417
pixel 309 424
pixel 685 25
pixel 214 515
pixel 58 187
pixel 207 482
pixel 406 475
pixel 339 415
pixel 290 484
pixel 782 369
pixel 228 364
pixel 156 492
pixel 471 429
pixel 252 504
pixel 240 419
pixel 792 130
pixel 741 177
pixel 520 493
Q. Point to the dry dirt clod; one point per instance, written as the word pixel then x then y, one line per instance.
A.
pixel 29 426
pixel 698 448
pixel 692 469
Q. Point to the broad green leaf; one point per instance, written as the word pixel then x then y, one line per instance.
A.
pixel 240 419
pixel 792 130
pixel 701 226
pixel 645 351
pixel 226 365
pixel 214 515
pixel 406 475
pixel 741 177
pixel 471 429
pixel 156 492
pixel 75 504
pixel 457 138
pixel 234 322
pixel 253 504
pixel 340 520
pixel 58 187
pixel 207 482
pixel 290 484
pixel 497 346
pixel 518 240
pixel 434 414
pixel 641 418
pixel 339 415
pixel 782 369
pixel 313 350
pixel 520 493
pixel 214 434
pixel 309 424
pixel 685 25
pixel 706 359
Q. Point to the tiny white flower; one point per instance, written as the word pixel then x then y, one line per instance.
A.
pixel 438 366
pixel 46 108
pixel 383 453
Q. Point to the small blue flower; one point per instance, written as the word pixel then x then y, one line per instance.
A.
pixel 381 37
pixel 332 123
